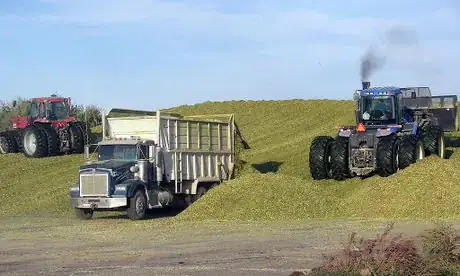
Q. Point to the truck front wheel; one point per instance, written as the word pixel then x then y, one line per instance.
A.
pixel 137 206
pixel 84 213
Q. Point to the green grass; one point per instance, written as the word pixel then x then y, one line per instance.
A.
pixel 279 132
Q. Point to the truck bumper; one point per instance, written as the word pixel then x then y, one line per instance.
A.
pixel 98 203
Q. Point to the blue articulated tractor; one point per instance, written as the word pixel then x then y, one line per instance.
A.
pixel 394 128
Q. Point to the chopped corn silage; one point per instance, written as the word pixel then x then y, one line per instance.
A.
pixel 279 133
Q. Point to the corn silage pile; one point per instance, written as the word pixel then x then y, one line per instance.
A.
pixel 281 132
pixel 427 190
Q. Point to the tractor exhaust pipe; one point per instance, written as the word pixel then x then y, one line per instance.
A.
pixel 366 84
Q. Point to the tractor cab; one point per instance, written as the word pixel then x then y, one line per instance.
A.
pixel 51 109
pixel 379 106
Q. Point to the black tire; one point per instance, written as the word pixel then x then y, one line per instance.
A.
pixel 431 139
pixel 76 138
pixel 84 213
pixel 410 151
pixel 52 139
pixel 137 205
pixel 387 155
pixel 407 151
pixel 85 132
pixel 41 146
pixel 319 157
pixel 8 142
pixel 339 158
pixel 19 136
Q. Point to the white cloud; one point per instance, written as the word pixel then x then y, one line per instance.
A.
pixel 200 20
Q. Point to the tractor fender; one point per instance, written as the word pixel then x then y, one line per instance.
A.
pixel 387 131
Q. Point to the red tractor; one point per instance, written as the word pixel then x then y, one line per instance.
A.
pixel 48 130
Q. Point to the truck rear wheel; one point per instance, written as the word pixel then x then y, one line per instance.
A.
pixel 84 213
pixel 388 155
pixel 137 206
pixel 35 142
pixel 7 142
pixel 339 158
pixel 320 157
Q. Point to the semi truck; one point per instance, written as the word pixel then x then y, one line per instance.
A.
pixel 154 159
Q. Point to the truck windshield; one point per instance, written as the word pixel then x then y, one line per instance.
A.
pixel 56 111
pixel 378 108
pixel 117 152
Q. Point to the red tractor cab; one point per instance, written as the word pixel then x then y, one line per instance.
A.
pixel 54 110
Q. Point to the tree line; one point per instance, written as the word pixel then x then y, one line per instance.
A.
pixel 20 107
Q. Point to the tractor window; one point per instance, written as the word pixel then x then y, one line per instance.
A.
pixel 56 111
pixel 34 110
pixel 378 108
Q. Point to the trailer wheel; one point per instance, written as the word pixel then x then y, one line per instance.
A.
pixel 84 213
pixel 441 143
pixel 320 157
pixel 137 205
pixel 339 158
pixel 52 139
pixel 7 142
pixel 35 142
pixel 420 151
pixel 388 155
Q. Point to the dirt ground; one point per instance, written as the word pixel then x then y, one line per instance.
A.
pixel 118 246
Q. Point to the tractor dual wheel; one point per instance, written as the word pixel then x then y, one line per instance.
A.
pixel 434 142
pixel 339 158
pixel 35 141
pixel 77 139
pixel 8 142
pixel 40 140
pixel 388 155
pixel 410 151
pixel 320 157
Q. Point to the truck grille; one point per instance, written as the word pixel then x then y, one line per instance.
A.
pixel 94 184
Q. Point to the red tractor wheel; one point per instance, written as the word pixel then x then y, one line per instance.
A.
pixel 35 142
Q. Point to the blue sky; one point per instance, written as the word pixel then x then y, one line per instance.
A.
pixel 150 54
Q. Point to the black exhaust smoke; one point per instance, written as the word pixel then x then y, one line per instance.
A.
pixel 371 61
